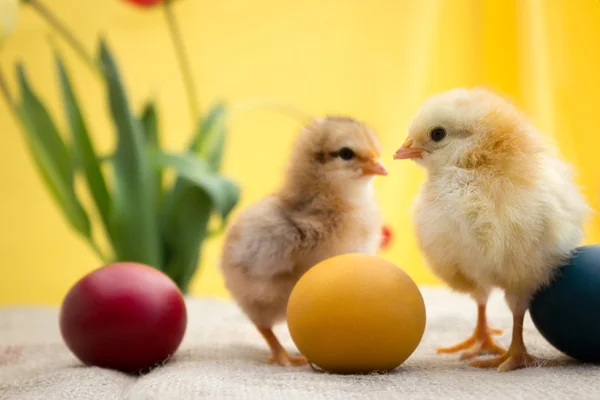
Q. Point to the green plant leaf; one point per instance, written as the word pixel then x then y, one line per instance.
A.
pixel 135 221
pixel 83 148
pixel 187 214
pixel 106 158
pixel 209 140
pixel 149 120
pixel 224 194
pixel 50 155
pixel 197 193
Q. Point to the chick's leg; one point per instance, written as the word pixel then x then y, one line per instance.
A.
pixel 481 341
pixel 278 354
pixel 517 355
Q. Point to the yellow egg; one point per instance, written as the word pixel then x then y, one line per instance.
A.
pixel 356 313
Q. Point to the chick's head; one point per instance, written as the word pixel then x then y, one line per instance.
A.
pixel 467 128
pixel 337 148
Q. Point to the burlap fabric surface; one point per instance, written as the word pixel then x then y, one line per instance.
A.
pixel 223 357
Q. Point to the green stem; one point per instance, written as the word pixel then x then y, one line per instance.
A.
pixel 182 58
pixel 65 33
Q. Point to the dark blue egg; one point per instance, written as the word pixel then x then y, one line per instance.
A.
pixel 567 311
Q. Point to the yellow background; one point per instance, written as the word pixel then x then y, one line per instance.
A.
pixel 375 60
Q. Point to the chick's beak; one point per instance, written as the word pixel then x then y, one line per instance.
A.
pixel 407 151
pixel 374 166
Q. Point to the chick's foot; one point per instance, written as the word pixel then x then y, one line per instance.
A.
pixel 512 360
pixel 517 356
pixel 481 342
pixel 278 354
pixel 285 360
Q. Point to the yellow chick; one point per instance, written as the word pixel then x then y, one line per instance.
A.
pixel 326 206
pixel 499 209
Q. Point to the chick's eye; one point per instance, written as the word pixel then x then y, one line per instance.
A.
pixel 346 154
pixel 438 134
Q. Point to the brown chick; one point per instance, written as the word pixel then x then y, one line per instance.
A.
pixel 499 209
pixel 326 206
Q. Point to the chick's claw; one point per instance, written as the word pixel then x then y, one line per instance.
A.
pixel 482 347
pixel 513 360
pixel 458 347
pixel 480 343
pixel 285 360
pixel 278 353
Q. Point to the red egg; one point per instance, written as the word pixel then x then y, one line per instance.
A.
pixel 124 316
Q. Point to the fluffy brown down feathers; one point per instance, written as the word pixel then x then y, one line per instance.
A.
pixel 325 206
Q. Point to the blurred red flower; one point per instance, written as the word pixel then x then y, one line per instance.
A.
pixel 144 3
pixel 386 237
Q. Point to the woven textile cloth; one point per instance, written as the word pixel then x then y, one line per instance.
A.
pixel 223 357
